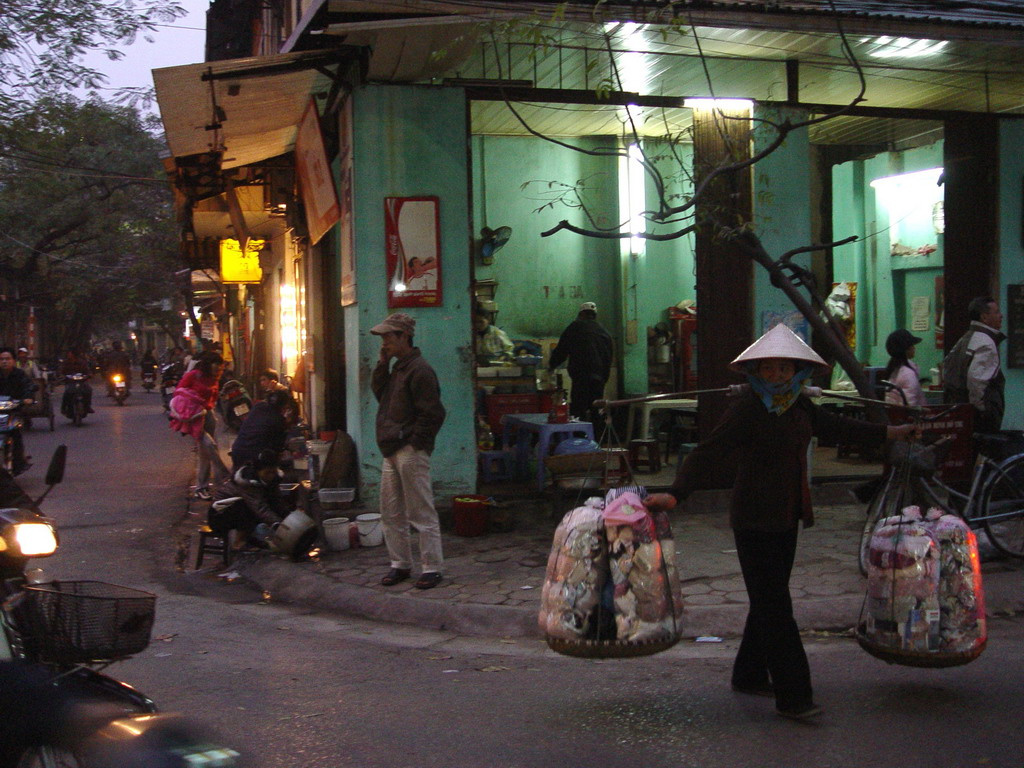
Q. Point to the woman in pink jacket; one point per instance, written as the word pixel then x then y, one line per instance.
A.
pixel 902 371
pixel 192 414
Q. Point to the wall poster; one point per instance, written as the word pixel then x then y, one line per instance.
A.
pixel 412 232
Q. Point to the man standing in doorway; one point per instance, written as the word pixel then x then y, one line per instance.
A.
pixel 588 347
pixel 408 419
pixel 972 372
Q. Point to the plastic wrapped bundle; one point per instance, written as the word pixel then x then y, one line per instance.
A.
pixel 925 604
pixel 903 585
pixel 576 573
pixel 633 606
pixel 962 626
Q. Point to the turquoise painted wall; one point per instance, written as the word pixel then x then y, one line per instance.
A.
pixel 781 207
pixel 411 141
pixel 1011 254
pixel 664 274
pixel 543 280
pixel 887 285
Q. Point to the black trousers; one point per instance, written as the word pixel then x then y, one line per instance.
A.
pixel 585 390
pixel 771 648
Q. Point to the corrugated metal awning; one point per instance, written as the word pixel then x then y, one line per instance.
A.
pixel 248 109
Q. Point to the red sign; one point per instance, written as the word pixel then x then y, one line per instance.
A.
pixel 319 197
pixel 412 232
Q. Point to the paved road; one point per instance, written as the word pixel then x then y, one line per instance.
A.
pixel 292 688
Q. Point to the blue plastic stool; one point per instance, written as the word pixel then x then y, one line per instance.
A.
pixel 497 465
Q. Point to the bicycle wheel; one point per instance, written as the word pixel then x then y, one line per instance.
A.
pixel 1002 506
pixel 885 502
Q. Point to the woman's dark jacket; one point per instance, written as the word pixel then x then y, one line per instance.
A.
pixel 264 427
pixel 769 454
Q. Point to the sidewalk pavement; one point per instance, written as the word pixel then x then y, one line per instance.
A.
pixel 492 583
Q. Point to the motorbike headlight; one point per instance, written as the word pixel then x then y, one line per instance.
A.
pixel 31 539
pixel 117 377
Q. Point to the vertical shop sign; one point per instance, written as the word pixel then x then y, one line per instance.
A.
pixel 319 197
pixel 412 233
pixel 346 249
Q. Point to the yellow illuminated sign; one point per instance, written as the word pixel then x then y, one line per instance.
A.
pixel 236 267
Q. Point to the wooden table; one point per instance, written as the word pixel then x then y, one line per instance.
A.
pixel 526 424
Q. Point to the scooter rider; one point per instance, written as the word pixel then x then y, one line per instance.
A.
pixel 75 363
pixel 117 361
pixel 16 384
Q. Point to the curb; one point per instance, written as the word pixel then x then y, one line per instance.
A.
pixel 291 583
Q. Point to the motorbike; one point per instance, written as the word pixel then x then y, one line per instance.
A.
pixel 76 396
pixel 64 632
pixel 235 403
pixel 120 388
pixel 11 423
pixel 170 375
pixel 149 378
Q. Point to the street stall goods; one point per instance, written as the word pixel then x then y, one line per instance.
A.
pixel 612 588
pixel 925 605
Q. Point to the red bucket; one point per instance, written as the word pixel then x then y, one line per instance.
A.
pixel 470 515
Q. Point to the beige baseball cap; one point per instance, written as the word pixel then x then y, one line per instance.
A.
pixel 396 323
pixel 588 306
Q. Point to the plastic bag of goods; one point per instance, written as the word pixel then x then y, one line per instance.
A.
pixel 924 604
pixel 576 574
pixel 630 604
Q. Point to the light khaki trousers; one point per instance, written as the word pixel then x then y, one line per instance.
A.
pixel 406 498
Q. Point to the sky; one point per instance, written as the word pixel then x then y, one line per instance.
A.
pixel 181 43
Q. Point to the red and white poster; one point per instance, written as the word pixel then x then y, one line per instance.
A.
pixel 319 197
pixel 412 231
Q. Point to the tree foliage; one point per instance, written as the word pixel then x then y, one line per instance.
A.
pixel 43 42
pixel 85 215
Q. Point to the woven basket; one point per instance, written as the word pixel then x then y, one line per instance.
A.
pixel 930 659
pixel 609 649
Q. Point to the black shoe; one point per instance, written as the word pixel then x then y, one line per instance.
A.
pixel 801 713
pixel 765 689
pixel 395 575
pixel 203 494
pixel 428 580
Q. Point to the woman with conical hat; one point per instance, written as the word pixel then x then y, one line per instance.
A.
pixel 764 433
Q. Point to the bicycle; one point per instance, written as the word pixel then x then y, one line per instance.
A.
pixel 994 502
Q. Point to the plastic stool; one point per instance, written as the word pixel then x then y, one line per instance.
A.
pixel 644 455
pixel 684 449
pixel 214 544
pixel 497 465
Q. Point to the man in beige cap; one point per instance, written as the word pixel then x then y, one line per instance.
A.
pixel 408 419
pixel 588 348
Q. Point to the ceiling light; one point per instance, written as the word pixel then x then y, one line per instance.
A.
pixel 887 47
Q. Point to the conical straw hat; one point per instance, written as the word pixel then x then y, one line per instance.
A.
pixel 779 341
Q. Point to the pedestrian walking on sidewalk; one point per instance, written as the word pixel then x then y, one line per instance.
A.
pixel 408 419
pixel 765 432
pixel 192 414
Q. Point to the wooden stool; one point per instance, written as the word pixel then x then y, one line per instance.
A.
pixel 214 544
pixel 616 468
pixel 497 465
pixel 644 455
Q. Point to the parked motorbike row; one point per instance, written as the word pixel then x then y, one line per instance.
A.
pixel 53 637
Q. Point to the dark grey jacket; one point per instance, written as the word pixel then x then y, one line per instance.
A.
pixel 410 410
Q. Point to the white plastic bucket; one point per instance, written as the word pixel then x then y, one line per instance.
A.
pixel 336 533
pixel 371 530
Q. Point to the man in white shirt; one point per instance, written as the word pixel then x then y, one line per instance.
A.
pixel 978 350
